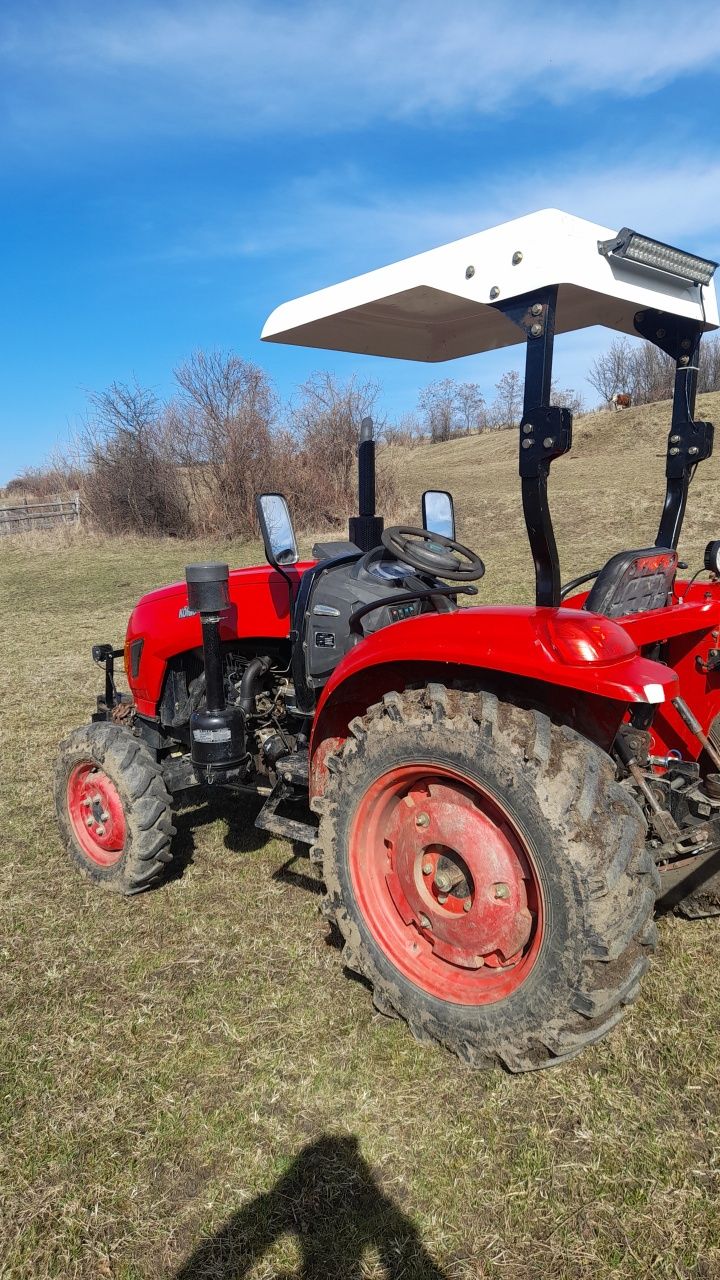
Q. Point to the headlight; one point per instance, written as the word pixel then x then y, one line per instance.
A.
pixel 711 559
pixel 633 247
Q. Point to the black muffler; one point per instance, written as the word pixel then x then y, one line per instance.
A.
pixel 217 731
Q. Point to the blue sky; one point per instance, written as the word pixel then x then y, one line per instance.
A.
pixel 170 172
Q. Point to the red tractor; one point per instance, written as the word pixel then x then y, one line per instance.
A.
pixel 499 797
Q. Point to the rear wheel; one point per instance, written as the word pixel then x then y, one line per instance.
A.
pixel 113 808
pixel 488 874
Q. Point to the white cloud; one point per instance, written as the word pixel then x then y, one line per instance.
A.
pixel 241 68
pixel 335 225
pixel 348 219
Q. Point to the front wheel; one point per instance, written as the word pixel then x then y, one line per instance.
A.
pixel 488 874
pixel 113 808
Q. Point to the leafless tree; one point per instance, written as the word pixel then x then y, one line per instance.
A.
pixel 568 399
pixel 406 430
pixel 612 372
pixel 436 404
pixel 471 409
pixel 653 374
pixel 324 426
pixel 507 405
pixel 709 375
pixel 448 409
pixel 642 371
pixel 222 423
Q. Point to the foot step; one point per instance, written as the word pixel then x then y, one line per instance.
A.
pixel 270 820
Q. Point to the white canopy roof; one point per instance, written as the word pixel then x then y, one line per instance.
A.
pixel 436 305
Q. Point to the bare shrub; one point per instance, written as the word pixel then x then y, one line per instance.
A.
pixel 45 482
pixel 407 431
pixel 317 455
pixel 130 483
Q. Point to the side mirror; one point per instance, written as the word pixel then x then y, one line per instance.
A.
pixel 277 529
pixel 438 513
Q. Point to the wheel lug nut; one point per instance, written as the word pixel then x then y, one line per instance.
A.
pixel 502 891
pixel 104 815
pixel 422 820
pixel 89 820
pixel 87 802
pixel 442 899
pixel 427 868
pixel 100 830
pixel 467 904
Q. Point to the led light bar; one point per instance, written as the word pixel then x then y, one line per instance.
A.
pixel 633 247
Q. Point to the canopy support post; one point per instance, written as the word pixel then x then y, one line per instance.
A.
pixel 689 442
pixel 545 434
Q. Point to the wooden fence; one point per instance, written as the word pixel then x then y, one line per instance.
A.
pixel 29 515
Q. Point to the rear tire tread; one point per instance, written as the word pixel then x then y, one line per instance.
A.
pixel 592 813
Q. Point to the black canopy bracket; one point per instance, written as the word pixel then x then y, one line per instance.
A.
pixel 545 434
pixel 689 442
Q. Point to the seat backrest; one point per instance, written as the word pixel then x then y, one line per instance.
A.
pixel 634 582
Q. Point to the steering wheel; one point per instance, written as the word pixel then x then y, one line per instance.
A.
pixel 420 549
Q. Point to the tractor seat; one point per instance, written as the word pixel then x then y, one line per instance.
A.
pixel 634 582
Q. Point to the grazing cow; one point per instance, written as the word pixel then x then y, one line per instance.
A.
pixel 621 400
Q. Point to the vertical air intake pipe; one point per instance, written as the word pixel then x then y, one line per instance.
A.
pixel 366 528
pixel 217 731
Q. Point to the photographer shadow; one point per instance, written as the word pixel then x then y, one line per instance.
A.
pixel 331 1203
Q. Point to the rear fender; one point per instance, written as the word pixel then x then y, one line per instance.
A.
pixel 583 670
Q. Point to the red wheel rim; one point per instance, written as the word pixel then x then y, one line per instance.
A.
pixel 96 813
pixel 446 884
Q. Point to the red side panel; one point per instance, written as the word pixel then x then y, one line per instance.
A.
pixel 260 607
pixel 688 632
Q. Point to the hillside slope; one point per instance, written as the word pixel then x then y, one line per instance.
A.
pixel 605 495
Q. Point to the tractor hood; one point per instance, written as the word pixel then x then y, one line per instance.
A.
pixel 444 303
pixel 162 626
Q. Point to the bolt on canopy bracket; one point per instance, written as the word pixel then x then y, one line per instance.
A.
pixel 545 434
pixel 689 442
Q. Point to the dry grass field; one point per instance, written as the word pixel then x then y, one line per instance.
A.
pixel 190 1086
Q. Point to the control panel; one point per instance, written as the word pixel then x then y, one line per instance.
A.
pixel 399 611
